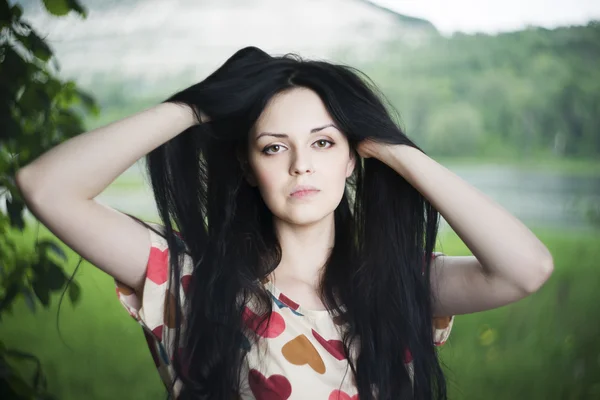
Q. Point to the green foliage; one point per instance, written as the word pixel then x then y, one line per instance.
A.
pixel 38 111
pixel 533 91
pixel 63 7
pixel 465 125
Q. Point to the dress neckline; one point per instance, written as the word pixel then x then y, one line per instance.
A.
pixel 284 301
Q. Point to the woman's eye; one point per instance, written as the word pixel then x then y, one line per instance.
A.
pixel 272 149
pixel 277 148
pixel 323 143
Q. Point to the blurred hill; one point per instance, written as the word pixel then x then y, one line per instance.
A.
pixel 529 94
pixel 150 39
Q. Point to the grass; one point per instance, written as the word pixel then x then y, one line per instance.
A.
pixel 102 353
pixel 544 347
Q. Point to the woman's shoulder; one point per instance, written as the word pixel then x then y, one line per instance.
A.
pixel 159 287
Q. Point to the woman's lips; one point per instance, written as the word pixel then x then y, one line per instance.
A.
pixel 305 193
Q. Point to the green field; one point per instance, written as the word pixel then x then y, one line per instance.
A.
pixel 546 346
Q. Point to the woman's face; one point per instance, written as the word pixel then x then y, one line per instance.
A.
pixel 298 158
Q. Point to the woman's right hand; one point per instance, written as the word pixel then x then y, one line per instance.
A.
pixel 206 97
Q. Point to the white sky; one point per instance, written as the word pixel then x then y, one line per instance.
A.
pixel 493 16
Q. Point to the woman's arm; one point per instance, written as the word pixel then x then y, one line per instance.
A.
pixel 509 261
pixel 83 166
pixel 59 188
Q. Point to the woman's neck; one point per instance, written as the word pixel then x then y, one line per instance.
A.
pixel 305 248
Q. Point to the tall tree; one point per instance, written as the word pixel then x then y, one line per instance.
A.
pixel 38 110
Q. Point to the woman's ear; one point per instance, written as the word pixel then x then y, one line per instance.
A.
pixel 351 164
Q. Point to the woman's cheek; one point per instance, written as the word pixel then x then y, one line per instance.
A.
pixel 265 176
pixel 267 182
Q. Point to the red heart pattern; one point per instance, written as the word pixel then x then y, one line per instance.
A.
pixel 276 387
pixel 270 327
pixel 185 283
pixel 333 347
pixel 158 265
pixel 339 395
pixel 305 358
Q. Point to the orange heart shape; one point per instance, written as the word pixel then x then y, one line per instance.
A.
pixel 300 351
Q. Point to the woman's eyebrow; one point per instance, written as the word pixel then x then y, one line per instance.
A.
pixel 283 135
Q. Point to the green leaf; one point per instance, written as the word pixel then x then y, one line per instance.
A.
pixel 34 43
pixel 53 87
pixel 55 277
pixel 15 207
pixel 68 122
pixel 34 99
pixel 88 102
pixel 11 128
pixel 62 7
pixel 41 291
pixel 15 70
pixel 16 11
pixel 38 267
pixel 8 15
pixel 29 390
pixel 75 6
pixel 20 387
pixel 74 292
pixel 57 7
pixel 5 13
pixel 38 47
pixel 47 244
pixel 11 292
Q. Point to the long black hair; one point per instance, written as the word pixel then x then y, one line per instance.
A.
pixel 385 232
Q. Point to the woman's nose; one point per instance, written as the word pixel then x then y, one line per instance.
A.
pixel 302 164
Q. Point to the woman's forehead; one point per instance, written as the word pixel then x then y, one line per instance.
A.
pixel 298 111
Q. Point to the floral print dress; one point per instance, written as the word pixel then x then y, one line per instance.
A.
pixel 301 355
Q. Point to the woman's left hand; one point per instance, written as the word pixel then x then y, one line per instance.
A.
pixel 369 148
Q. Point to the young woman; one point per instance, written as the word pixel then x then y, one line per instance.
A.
pixel 302 265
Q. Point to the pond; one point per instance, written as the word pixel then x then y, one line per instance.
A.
pixel 539 198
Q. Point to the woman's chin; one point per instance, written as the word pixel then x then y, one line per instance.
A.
pixel 306 217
